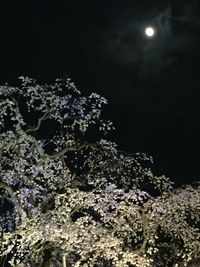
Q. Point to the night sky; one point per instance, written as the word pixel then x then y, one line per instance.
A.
pixel 152 84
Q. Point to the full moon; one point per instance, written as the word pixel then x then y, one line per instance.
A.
pixel 149 31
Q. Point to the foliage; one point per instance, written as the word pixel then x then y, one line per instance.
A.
pixel 68 200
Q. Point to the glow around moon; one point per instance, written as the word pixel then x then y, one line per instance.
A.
pixel 149 31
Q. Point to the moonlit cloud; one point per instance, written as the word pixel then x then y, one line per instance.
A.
pixel 126 43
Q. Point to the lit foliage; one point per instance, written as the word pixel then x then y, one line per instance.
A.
pixel 63 197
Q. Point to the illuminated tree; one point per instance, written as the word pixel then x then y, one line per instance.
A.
pixel 71 198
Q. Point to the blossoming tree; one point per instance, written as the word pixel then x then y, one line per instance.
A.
pixel 71 198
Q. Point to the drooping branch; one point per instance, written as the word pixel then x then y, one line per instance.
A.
pixel 11 192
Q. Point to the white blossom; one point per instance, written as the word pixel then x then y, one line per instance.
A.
pixel 64 196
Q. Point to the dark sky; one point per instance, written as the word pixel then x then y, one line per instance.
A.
pixel 153 85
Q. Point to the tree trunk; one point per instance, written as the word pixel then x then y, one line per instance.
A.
pixel 47 258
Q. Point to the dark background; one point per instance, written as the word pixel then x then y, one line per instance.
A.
pixel 153 85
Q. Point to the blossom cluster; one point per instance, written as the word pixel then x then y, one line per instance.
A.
pixel 68 200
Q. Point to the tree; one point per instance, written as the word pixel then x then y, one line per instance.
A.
pixel 71 198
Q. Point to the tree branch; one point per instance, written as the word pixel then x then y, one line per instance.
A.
pixel 64 260
pixel 11 192
pixel 43 118
pixel 145 232
pixel 70 148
